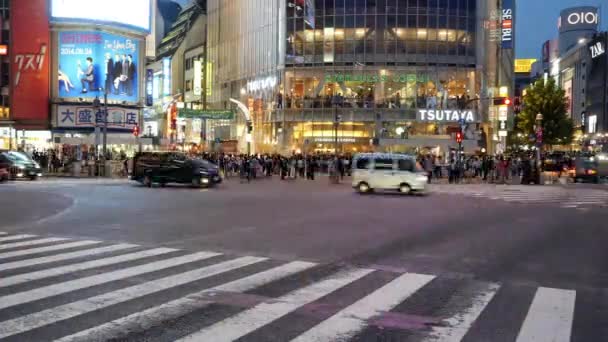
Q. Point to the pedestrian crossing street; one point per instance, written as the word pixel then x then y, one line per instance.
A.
pixel 562 197
pixel 61 289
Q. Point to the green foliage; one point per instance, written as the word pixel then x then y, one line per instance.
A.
pixel 550 101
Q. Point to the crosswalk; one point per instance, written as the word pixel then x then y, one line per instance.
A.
pixel 558 196
pixel 68 290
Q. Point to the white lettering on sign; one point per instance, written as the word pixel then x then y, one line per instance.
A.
pixel 29 62
pixel 582 18
pixel 507 24
pixel 597 50
pixel 446 115
pixel 262 84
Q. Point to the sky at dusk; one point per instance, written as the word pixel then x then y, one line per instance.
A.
pixel 536 22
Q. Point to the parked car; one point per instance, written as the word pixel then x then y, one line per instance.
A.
pixel 20 165
pixel 384 171
pixel 4 175
pixel 173 167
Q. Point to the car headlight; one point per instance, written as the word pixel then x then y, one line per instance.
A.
pixel 21 167
pixel 37 165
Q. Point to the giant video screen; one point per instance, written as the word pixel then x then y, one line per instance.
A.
pixel 92 62
pixel 134 14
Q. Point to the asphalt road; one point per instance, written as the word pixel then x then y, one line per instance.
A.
pixel 467 262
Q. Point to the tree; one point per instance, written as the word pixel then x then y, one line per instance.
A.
pixel 549 100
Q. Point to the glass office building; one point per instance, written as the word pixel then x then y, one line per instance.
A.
pixel 402 74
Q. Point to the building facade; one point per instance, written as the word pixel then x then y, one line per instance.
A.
pixel 399 75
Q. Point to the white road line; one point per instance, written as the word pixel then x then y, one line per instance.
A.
pixel 31 243
pixel 3 233
pixel 247 321
pixel 49 316
pixel 51 272
pixel 143 320
pixel 48 248
pixel 16 237
pixel 82 283
pixel 64 256
pixel 458 325
pixel 349 321
pixel 550 316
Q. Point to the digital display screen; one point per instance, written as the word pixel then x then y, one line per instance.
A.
pixel 130 13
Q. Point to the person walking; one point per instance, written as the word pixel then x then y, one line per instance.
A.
pixel 428 168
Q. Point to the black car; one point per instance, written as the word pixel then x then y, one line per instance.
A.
pixel 19 165
pixel 173 167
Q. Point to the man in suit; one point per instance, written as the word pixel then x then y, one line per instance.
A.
pixel 117 70
pixel 130 75
pixel 109 73
pixel 88 75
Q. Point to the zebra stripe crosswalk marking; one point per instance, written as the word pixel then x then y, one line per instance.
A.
pixel 49 316
pixel 243 323
pixel 349 321
pixel 64 256
pixel 82 283
pixel 31 243
pixel 550 316
pixel 16 237
pixel 51 248
pixel 52 272
pixel 179 307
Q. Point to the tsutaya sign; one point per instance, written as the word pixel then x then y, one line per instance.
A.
pixel 445 115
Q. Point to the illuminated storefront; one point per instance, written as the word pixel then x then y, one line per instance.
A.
pixel 369 66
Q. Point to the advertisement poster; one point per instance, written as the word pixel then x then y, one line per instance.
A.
pixel 87 117
pixel 568 90
pixel 134 14
pixel 29 64
pixel 91 61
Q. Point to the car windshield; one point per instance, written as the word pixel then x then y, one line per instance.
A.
pixel 18 156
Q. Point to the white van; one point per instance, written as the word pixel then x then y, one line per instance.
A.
pixel 385 171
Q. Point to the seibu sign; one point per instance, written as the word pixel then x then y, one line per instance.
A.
pixel 439 115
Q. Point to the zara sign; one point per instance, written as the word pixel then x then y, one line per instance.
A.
pixel 597 49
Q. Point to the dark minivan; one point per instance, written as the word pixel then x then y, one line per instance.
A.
pixel 173 167
pixel 19 165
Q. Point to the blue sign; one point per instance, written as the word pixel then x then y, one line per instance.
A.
pixel 91 62
pixel 507 24
pixel 149 87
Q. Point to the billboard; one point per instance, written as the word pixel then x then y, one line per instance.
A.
pixel 508 28
pixel 90 61
pixel 578 18
pixel 524 65
pixel 86 116
pixel 29 63
pixel 134 14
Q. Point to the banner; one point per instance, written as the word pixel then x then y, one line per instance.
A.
pixel 91 61
pixel 205 114
pixel 87 117
pixel 508 27
pixel 149 87
pixel 29 63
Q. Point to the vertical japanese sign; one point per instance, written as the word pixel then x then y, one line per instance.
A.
pixel 198 76
pixel 149 87
pixel 166 76
pixel 508 28
pixel 29 63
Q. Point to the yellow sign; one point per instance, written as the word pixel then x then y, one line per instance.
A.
pixel 524 65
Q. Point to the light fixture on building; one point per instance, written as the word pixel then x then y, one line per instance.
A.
pixel 400 130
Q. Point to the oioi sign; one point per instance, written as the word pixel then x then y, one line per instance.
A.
pixel 578 18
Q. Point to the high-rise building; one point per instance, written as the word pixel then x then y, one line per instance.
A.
pixel 396 75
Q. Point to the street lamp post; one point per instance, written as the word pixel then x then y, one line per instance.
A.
pixel 539 143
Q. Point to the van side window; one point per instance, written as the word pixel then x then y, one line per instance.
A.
pixel 362 163
pixel 406 165
pixel 383 164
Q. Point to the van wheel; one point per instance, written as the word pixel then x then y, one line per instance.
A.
pixel 405 189
pixel 363 188
pixel 148 181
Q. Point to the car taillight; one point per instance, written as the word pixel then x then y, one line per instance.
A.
pixel 591 172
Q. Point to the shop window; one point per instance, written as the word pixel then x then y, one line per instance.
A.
pixel 383 164
pixel 362 163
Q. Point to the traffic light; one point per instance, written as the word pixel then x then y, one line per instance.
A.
pixel 502 101
pixel 136 130
pixel 459 137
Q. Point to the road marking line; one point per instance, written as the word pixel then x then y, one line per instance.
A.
pixel 145 319
pixel 49 316
pixel 103 278
pixel 64 256
pixel 3 233
pixel 31 243
pixel 23 278
pixel 459 324
pixel 247 321
pixel 349 321
pixel 48 248
pixel 549 317
pixel 16 237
